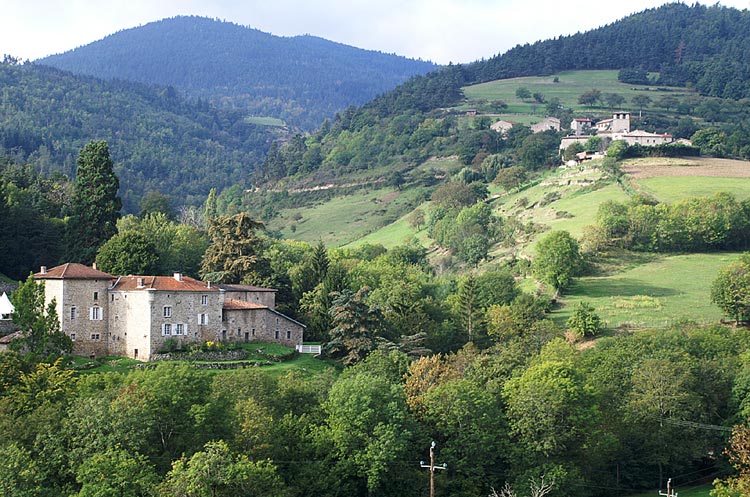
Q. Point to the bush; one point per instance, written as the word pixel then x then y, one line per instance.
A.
pixel 584 321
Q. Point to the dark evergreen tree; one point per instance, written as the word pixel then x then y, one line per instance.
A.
pixel 96 206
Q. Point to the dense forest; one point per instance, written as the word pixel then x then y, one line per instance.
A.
pixel 160 142
pixel 302 80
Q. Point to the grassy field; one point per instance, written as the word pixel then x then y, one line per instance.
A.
pixel 345 219
pixel 649 290
pixel 570 86
pixel 670 189
pixel 264 121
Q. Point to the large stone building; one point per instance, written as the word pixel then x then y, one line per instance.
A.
pixel 617 128
pixel 134 316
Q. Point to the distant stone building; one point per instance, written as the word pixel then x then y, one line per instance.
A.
pixel 617 128
pixel 580 125
pixel 502 126
pixel 134 316
pixel 548 123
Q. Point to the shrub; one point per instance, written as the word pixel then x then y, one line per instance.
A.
pixel 584 321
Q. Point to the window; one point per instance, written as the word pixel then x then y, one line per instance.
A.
pixel 277 334
pixel 95 313
pixel 204 299
pixel 253 331
pixel 96 295
pixel 95 336
pixel 73 313
pixel 167 311
pixel 179 329
pixel 202 318
pixel 288 334
pixel 166 329
pixel 73 337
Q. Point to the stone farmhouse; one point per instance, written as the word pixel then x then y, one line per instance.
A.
pixel 617 128
pixel 134 316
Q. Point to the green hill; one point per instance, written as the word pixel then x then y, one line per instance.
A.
pixel 301 80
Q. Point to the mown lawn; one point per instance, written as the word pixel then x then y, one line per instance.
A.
pixel 649 290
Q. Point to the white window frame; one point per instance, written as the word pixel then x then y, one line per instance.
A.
pixel 204 299
pixel 73 313
pixel 166 329
pixel 203 318
pixel 96 336
pixel 179 329
pixel 167 313
pixel 96 313
pixel 72 337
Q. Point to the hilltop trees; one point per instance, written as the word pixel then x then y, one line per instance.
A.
pixel 96 206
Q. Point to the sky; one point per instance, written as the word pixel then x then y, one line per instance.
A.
pixel 442 31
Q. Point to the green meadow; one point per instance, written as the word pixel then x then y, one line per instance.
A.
pixel 671 189
pixel 649 290
pixel 342 220
pixel 570 86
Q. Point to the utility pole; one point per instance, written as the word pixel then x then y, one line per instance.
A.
pixel 433 468
pixel 670 490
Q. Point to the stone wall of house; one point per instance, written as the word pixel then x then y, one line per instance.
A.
pixel 261 325
pixel 267 299
pixel 83 312
pixel 199 321
pixel 130 324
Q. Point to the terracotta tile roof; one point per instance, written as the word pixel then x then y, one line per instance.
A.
pixel 73 271
pixel 244 288
pixel 238 305
pixel 162 283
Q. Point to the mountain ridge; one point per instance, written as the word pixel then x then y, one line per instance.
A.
pixel 301 79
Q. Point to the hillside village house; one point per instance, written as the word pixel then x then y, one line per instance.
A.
pixel 134 316
pixel 617 128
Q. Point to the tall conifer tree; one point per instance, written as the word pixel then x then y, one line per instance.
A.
pixel 96 206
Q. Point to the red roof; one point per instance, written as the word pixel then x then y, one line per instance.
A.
pixel 237 305
pixel 163 283
pixel 74 271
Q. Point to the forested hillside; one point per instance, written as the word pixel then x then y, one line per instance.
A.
pixel 301 79
pixel 159 141
pixel 701 47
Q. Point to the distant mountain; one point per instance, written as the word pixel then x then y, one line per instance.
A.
pixel 302 79
pixel 158 140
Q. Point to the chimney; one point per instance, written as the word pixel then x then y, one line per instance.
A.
pixel 140 282
pixel 93 265
pixel 178 276
pixel 43 270
pixel 208 284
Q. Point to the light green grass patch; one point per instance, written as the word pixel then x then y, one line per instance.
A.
pixel 341 220
pixel 570 86
pixel 659 292
pixel 671 189
pixel 264 121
